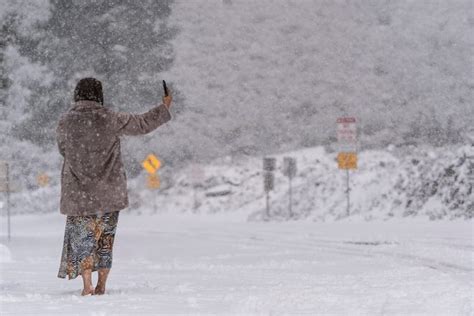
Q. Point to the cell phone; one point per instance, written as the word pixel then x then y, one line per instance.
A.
pixel 165 88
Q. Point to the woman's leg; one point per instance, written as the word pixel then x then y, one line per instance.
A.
pixel 100 288
pixel 78 250
pixel 104 249
pixel 87 280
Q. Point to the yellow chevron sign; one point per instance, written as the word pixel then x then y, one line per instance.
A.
pixel 151 164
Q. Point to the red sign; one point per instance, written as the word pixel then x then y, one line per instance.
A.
pixel 346 130
pixel 346 120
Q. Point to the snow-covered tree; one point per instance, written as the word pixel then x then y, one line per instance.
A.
pixel 122 42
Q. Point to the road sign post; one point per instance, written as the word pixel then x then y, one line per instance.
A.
pixel 289 170
pixel 8 200
pixel 347 157
pixel 5 187
pixel 197 176
pixel 268 180
pixel 348 194
pixel 151 164
pixel 153 183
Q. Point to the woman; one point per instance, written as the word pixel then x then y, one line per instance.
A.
pixel 93 181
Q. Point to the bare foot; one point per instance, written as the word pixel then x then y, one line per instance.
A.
pixel 89 291
pixel 99 289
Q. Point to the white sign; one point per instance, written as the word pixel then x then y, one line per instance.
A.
pixel 347 134
pixel 197 174
pixel 289 167
pixel 346 130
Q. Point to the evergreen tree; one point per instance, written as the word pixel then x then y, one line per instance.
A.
pixel 6 34
pixel 125 43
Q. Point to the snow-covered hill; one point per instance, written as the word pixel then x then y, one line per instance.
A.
pixel 265 76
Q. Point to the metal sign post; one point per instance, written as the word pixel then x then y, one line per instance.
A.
pixel 197 176
pixel 5 187
pixel 268 180
pixel 153 183
pixel 347 157
pixel 7 183
pixel 348 194
pixel 151 164
pixel 289 170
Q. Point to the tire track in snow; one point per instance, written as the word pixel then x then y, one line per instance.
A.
pixel 263 239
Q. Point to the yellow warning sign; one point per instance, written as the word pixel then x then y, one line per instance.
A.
pixel 153 181
pixel 347 160
pixel 151 164
pixel 42 179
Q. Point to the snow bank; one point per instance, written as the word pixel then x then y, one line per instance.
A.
pixel 425 182
pixel 391 183
pixel 438 183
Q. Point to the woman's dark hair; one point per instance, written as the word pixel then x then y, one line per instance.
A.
pixel 89 89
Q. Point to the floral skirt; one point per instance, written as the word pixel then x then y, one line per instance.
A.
pixel 88 243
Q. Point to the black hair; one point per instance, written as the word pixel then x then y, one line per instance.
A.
pixel 89 89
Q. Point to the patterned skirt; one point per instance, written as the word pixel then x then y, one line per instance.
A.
pixel 88 243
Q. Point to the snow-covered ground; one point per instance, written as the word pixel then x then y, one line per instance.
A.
pixel 199 264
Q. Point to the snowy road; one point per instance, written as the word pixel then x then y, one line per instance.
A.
pixel 207 265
